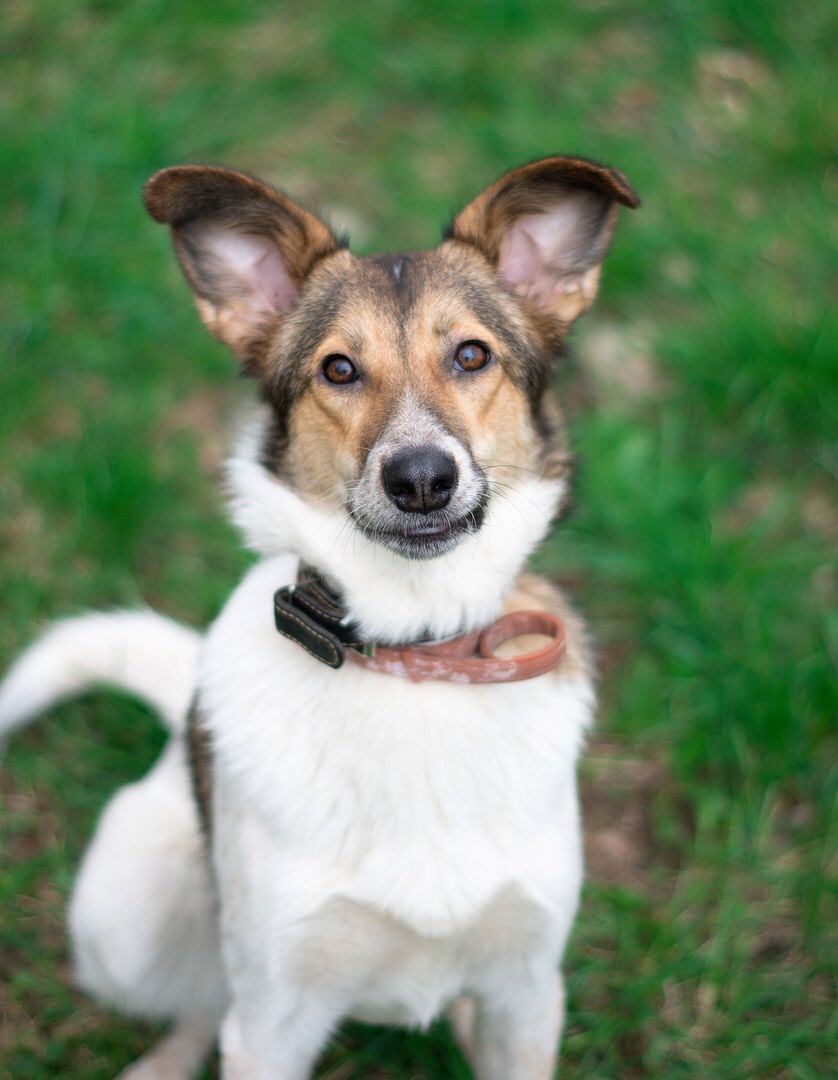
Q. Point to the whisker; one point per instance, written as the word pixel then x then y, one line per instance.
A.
pixel 508 465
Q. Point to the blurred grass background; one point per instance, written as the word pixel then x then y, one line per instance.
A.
pixel 703 397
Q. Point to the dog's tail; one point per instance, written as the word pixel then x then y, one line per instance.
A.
pixel 141 652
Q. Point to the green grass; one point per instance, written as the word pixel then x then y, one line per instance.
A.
pixel 704 406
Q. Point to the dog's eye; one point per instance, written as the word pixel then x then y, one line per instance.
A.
pixel 339 370
pixel 471 356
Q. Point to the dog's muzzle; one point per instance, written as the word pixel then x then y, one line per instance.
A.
pixel 420 500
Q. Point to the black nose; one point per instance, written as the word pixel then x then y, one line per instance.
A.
pixel 419 481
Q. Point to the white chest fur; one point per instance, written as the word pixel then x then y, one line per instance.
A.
pixel 423 801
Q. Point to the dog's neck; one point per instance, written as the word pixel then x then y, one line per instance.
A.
pixel 389 597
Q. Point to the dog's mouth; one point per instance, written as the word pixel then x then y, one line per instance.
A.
pixel 424 536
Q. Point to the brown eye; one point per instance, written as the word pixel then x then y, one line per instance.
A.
pixel 471 356
pixel 339 370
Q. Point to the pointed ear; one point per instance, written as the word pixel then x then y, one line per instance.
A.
pixel 245 248
pixel 547 227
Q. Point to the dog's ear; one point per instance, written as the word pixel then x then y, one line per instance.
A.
pixel 547 227
pixel 245 249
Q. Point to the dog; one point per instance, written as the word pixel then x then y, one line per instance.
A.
pixel 367 805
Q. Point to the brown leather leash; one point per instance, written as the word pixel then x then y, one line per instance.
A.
pixel 311 614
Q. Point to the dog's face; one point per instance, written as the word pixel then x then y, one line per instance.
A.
pixel 407 391
pixel 410 400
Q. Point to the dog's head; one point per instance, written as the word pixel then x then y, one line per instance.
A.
pixel 405 405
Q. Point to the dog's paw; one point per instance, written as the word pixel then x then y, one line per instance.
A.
pixel 179 1056
pixel 150 1067
pixel 153 1066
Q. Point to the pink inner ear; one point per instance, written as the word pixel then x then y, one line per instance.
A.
pixel 255 268
pixel 539 249
pixel 520 257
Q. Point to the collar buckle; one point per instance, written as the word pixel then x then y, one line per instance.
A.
pixel 310 615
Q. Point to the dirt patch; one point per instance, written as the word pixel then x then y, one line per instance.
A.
pixel 39 1008
pixel 820 511
pixel 620 364
pixel 618 792
pixel 731 80
pixel 31 828
pixel 207 416
pixel 31 825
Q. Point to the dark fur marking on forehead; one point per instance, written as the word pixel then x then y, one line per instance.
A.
pixel 395 274
pixel 396 265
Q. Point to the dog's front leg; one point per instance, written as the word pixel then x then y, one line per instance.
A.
pixel 257 1043
pixel 518 1031
pixel 285 997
